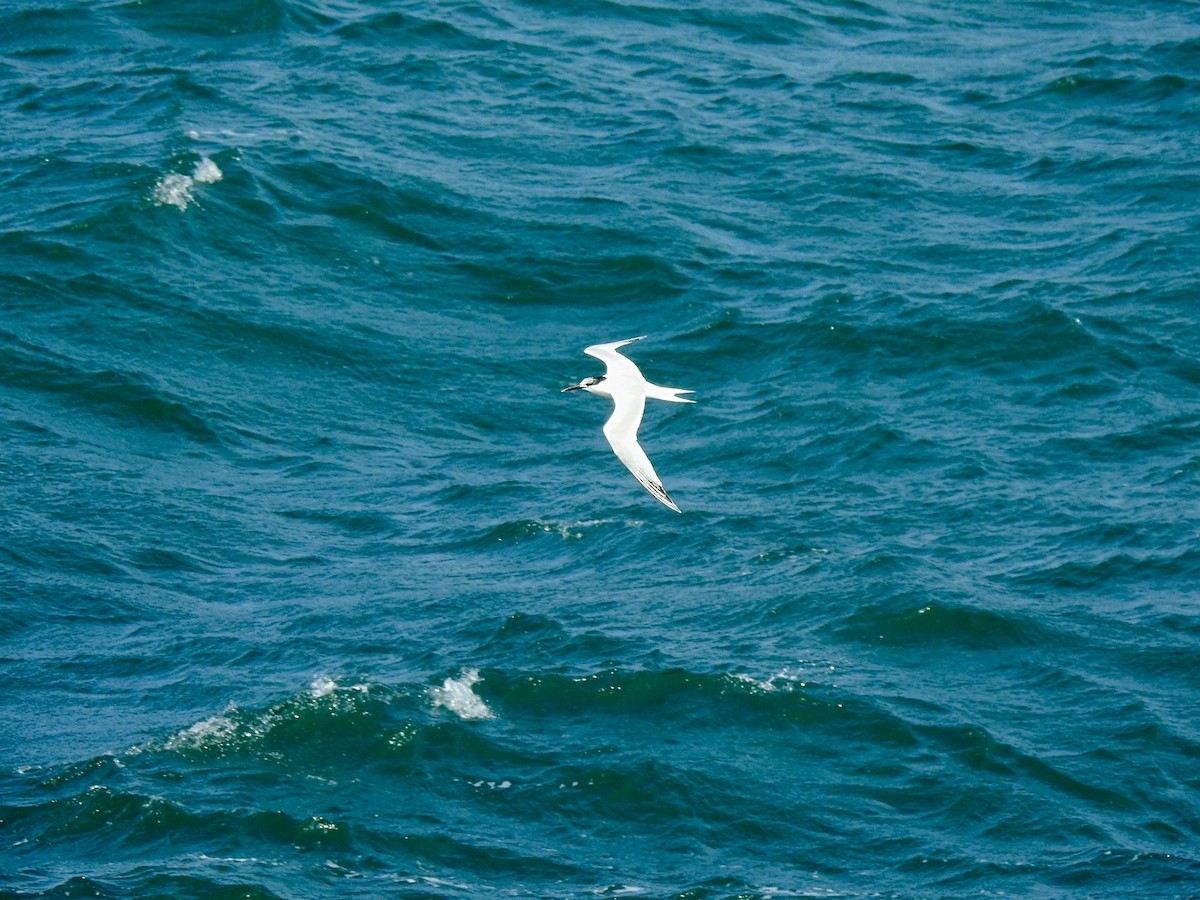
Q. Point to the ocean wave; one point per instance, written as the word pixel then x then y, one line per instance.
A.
pixel 524 530
pixel 913 619
pixel 131 399
pixel 298 723
pixel 371 769
pixel 1111 569
pixel 1152 90
pixel 226 19
pixel 415 31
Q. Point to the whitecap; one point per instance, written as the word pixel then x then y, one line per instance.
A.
pixel 456 695
pixel 174 190
pixel 322 686
pixel 206 172
pixel 179 190
pixel 209 732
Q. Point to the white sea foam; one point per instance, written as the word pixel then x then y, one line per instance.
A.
pixel 494 785
pixel 180 190
pixel 174 190
pixel 456 695
pixel 205 733
pixel 206 171
pixel 322 686
pixel 766 686
pixel 785 680
pixel 204 858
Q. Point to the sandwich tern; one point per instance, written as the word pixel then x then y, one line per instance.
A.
pixel 628 388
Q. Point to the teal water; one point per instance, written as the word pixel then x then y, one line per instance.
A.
pixel 314 585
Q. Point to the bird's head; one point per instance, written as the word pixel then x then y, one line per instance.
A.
pixel 588 384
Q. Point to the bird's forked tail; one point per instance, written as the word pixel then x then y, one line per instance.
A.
pixel 671 395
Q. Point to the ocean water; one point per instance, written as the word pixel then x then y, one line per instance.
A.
pixel 312 584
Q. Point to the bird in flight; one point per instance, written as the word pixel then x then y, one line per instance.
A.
pixel 627 387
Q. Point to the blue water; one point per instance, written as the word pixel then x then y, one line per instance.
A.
pixel 312 584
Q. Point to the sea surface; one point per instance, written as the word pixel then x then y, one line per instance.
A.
pixel 313 584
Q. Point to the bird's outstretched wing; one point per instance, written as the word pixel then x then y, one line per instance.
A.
pixel 617 364
pixel 621 430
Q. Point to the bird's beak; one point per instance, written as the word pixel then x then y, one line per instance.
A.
pixel 574 387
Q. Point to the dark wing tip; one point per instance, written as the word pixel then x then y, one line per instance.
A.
pixel 661 493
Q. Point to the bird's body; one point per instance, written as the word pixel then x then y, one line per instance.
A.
pixel 628 389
